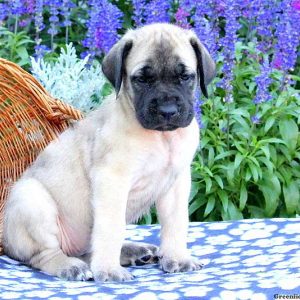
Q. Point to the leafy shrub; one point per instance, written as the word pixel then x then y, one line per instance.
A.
pixel 70 80
pixel 248 167
pixel 13 46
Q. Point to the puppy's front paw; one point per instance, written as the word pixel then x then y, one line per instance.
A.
pixel 171 265
pixel 138 254
pixel 112 274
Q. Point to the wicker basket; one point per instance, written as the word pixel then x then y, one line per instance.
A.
pixel 29 119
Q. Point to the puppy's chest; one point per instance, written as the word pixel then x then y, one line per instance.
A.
pixel 154 177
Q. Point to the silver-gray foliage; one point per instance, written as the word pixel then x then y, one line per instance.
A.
pixel 70 79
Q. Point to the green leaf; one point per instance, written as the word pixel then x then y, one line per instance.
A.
pixel 194 190
pixel 248 174
pixel 23 54
pixel 234 213
pixel 240 112
pixel 211 155
pixel 208 184
pixel 240 148
pixel 267 163
pixel 224 199
pixel 291 197
pixel 286 152
pixel 289 131
pixel 230 173
pixel 273 154
pixel 23 41
pixel 196 204
pixel 243 196
pixel 204 141
pixel 286 173
pixel 256 212
pixel 208 171
pixel 270 122
pixel 242 122
pixel 295 77
pixel 210 205
pixel 270 140
pixel 271 189
pixel 254 160
pixel 254 171
pixel 266 151
pixel 238 159
pixel 252 85
pixel 219 181
pixel 225 154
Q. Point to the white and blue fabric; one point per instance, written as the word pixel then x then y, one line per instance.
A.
pixel 249 259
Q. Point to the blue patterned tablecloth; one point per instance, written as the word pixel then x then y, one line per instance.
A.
pixel 250 259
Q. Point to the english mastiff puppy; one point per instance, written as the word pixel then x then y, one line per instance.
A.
pixel 67 214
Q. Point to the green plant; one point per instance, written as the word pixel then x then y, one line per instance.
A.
pixel 248 168
pixel 13 46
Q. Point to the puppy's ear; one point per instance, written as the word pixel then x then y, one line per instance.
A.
pixel 206 68
pixel 113 65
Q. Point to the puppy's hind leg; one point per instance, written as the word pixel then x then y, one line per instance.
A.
pixel 55 262
pixel 137 254
pixel 31 232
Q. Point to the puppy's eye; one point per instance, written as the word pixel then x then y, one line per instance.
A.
pixel 141 79
pixel 144 79
pixel 186 76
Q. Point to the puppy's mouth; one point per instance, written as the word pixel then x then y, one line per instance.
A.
pixel 167 127
pixel 154 122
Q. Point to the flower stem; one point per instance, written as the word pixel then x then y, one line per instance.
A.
pixel 16 24
pixel 67 34
pixel 52 46
pixel 228 122
pixel 283 82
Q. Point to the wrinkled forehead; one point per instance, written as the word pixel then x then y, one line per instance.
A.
pixel 160 51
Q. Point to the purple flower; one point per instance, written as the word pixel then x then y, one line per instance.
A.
pixel 4 11
pixel 181 18
pixel 288 36
pixel 38 16
pixel 24 22
pixel 265 16
pixel 231 13
pixel 277 62
pixel 255 119
pixel 157 11
pixel 295 4
pixel 30 4
pixel 205 25
pixel 138 12
pixel 103 25
pixel 65 11
pixel 188 5
pixel 263 82
pixel 41 50
pixel 54 6
pixel 17 8
pixel 146 12
pixel 197 107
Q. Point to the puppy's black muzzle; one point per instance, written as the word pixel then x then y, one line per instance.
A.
pixel 165 113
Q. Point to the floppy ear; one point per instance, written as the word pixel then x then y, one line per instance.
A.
pixel 206 68
pixel 113 65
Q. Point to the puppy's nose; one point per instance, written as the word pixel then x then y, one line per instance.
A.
pixel 167 111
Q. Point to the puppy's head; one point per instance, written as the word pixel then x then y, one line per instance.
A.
pixel 159 66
